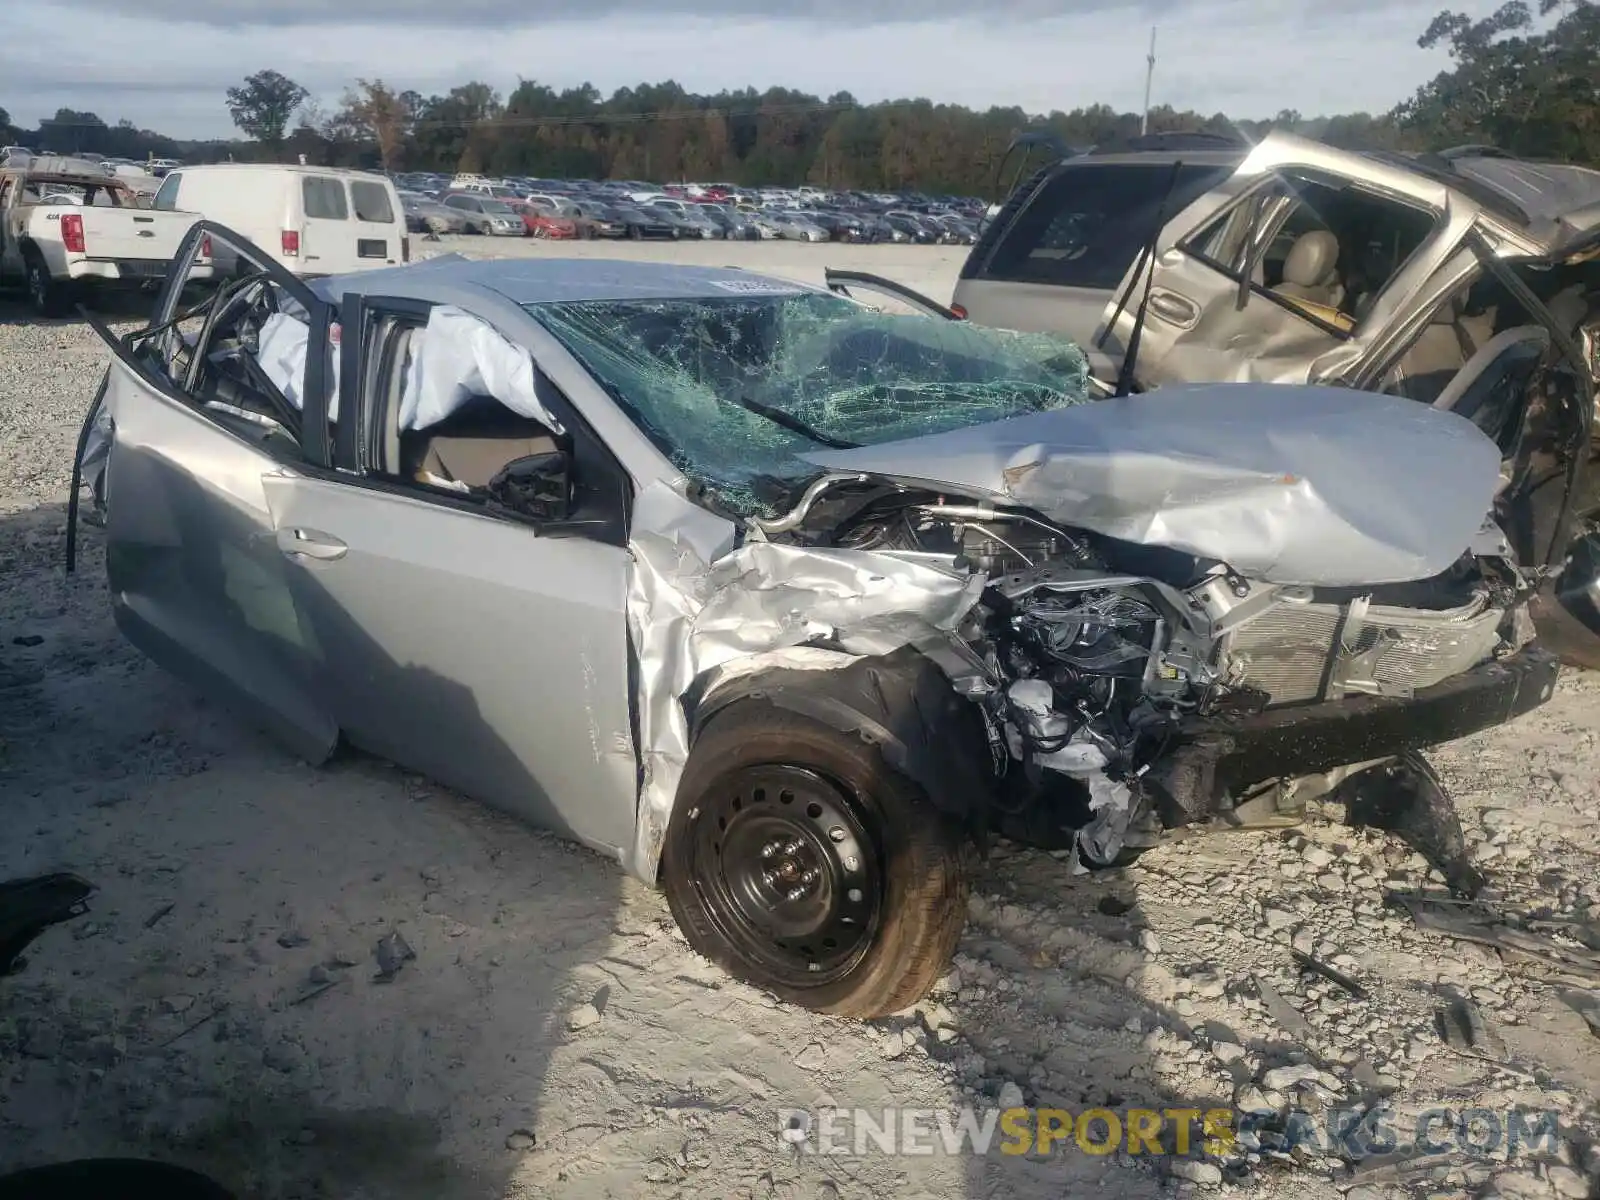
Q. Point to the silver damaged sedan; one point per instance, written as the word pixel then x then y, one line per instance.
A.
pixel 788 605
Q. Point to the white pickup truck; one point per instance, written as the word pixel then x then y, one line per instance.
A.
pixel 64 233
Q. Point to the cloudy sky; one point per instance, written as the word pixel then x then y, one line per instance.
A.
pixel 164 63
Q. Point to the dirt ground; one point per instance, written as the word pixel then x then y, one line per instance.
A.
pixel 553 1035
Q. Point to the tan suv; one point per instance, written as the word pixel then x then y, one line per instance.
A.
pixel 1467 280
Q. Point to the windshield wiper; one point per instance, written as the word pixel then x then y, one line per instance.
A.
pixel 793 424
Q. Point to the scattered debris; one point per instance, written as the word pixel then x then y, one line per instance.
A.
pixel 194 1025
pixel 812 1058
pixel 1587 1006
pixel 392 953
pixel 30 906
pixel 1281 1011
pixel 1407 799
pixel 1281 1079
pixel 320 979
pixel 582 1017
pixel 1195 1171
pixel 154 918
pixel 27 639
pixel 1317 967
pixel 1488 926
pixel 1462 1027
pixel 1399 1165
pixel 521 1139
pixel 293 940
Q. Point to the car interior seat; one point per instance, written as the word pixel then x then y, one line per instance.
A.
pixel 470 446
pixel 1440 351
pixel 1486 389
pixel 1311 270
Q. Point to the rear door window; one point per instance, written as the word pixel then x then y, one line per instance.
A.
pixel 324 198
pixel 371 201
pixel 1085 226
pixel 1375 236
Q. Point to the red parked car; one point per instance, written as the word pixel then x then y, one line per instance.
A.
pixel 541 224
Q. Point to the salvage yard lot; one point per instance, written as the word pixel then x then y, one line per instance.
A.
pixel 553 1035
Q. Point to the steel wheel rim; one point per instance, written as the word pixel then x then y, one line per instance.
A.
pixel 790 875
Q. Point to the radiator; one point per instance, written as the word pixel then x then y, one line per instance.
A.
pixel 1285 652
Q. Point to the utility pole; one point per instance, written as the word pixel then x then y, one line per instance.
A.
pixel 1149 75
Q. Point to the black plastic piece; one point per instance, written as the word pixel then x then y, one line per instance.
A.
pixel 77 470
pixel 1407 799
pixel 1212 757
pixel 30 906
pixel 110 1179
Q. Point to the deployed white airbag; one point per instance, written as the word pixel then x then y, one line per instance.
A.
pixel 454 357
pixel 282 355
pixel 457 356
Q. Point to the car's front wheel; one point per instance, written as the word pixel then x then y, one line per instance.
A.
pixel 798 861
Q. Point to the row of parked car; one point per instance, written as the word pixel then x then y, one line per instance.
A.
pixel 472 204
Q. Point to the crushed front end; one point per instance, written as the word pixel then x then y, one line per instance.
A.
pixel 1123 690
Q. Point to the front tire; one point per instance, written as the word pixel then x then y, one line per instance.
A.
pixel 799 862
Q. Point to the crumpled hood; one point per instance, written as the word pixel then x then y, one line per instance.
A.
pixel 1320 486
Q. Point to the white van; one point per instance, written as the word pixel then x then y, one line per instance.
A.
pixel 313 220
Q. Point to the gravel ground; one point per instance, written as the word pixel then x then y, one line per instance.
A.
pixel 553 1035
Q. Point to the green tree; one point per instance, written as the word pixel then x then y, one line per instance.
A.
pixel 263 105
pixel 1523 79
pixel 378 113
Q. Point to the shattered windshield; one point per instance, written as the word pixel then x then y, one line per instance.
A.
pixel 735 390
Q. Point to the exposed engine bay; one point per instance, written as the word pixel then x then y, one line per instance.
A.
pixel 1085 654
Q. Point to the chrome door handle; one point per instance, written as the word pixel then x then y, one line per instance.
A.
pixel 1175 309
pixel 310 543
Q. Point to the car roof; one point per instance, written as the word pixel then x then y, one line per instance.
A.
pixel 565 280
pixel 293 168
pixel 1534 195
pixel 1543 191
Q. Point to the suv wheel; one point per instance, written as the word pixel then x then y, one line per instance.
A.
pixel 798 861
pixel 47 296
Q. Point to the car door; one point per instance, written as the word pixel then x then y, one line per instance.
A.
pixel 376 232
pixel 1217 311
pixel 471 210
pixel 327 236
pixel 10 249
pixel 479 648
pixel 196 578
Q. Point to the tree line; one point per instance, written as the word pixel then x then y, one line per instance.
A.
pixel 1526 79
